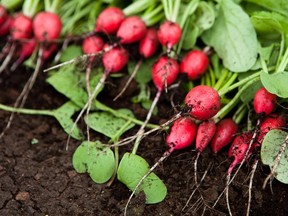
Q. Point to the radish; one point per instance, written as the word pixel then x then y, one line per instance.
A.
pixel 109 20
pixel 6 26
pixel 226 129
pixel 131 30
pixel 194 64
pixel 270 122
pixel 205 133
pixel 182 135
pixel 169 34
pixel 26 50
pixel 149 43
pixel 264 102
pixel 203 101
pixel 22 27
pixel 47 26
pixel 92 44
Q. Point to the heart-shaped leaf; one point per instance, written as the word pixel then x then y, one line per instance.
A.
pixel 270 148
pixel 131 169
pixel 95 159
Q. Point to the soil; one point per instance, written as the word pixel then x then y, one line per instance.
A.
pixel 38 179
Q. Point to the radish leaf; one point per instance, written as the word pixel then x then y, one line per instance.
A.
pixel 273 142
pixel 131 169
pixel 275 83
pixel 233 37
pixel 96 160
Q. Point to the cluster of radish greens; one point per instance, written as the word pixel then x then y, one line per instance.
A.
pixel 230 62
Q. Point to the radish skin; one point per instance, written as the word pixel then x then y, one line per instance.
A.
pixel 149 43
pixel 264 102
pixel 169 34
pixel 205 133
pixel 22 27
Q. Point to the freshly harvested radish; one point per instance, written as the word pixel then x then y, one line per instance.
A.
pixel 92 44
pixel 109 20
pixel 26 50
pixel 182 135
pixel 270 122
pixel 194 64
pixel 115 59
pixel 22 27
pixel 47 26
pixel 149 43
pixel 225 132
pixel 6 26
pixel 205 133
pixel 264 102
pixel 131 30
pixel 169 34
pixel 204 102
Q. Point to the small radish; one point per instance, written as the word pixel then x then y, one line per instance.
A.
pixel 47 26
pixel 270 122
pixel 26 50
pixel 169 34
pixel 225 132
pixel 203 101
pixel 3 14
pixel 194 64
pixel 49 50
pixel 205 133
pixel 149 43
pixel 182 135
pixel 131 30
pixel 164 72
pixel 22 27
pixel 92 44
pixel 238 149
pixel 6 26
pixel 264 102
pixel 109 20
pixel 115 59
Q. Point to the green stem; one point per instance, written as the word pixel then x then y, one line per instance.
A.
pixel 220 81
pixel 282 47
pixel 212 76
pixel 103 107
pixel 230 81
pixel 226 109
pixel 27 111
pixel 283 62
pixel 175 10
pixel 30 7
pixel 166 9
pixel 192 6
pixel 152 17
pixel 238 84
pixel 137 7
pixel 240 113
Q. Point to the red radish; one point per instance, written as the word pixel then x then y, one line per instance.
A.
pixel 109 20
pixel 164 72
pixel 49 50
pixel 131 30
pixel 270 122
pixel 115 59
pixel 6 26
pixel 92 44
pixel 149 44
pixel 226 129
pixel 22 27
pixel 238 149
pixel 169 34
pixel 205 133
pixel 3 14
pixel 26 50
pixel 47 26
pixel 203 101
pixel 182 135
pixel 264 102
pixel 194 64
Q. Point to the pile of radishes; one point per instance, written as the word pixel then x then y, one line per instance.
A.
pixel 205 117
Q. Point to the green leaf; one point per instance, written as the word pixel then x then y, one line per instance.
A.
pixel 191 35
pixel 108 124
pixel 131 169
pixel 64 116
pixel 205 16
pixel 233 37
pixel 279 6
pixel 249 93
pixel 95 159
pixel 143 75
pixel 271 145
pixel 275 83
pixel 71 83
pixel 71 52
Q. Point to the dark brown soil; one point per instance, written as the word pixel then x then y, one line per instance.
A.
pixel 38 179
